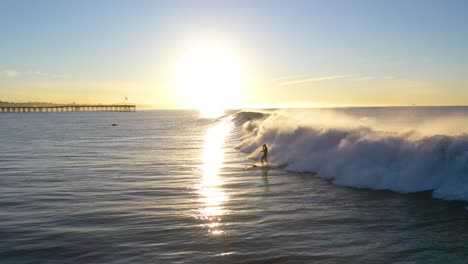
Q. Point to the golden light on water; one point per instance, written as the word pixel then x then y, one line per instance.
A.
pixel 212 195
pixel 209 112
pixel 210 77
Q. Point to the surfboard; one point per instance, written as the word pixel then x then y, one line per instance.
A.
pixel 258 165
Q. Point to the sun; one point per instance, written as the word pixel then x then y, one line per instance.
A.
pixel 210 78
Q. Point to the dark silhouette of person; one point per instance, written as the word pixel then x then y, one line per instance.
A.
pixel 265 154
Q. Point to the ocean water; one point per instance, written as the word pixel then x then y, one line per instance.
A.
pixel 362 185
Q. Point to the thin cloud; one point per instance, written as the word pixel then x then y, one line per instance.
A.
pixel 315 79
pixel 364 78
pixel 45 74
pixel 10 73
pixel 289 78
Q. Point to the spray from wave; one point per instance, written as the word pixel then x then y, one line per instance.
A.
pixel 401 149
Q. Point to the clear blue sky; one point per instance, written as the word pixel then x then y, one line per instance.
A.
pixel 297 52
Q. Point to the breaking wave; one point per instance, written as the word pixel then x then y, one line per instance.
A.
pixel 399 149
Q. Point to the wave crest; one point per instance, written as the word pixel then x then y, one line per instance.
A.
pixel 361 156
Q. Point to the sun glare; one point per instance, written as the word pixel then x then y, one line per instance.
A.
pixel 212 195
pixel 210 78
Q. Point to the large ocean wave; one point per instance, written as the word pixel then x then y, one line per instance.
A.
pixel 399 149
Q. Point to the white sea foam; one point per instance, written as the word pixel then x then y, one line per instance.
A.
pixel 400 149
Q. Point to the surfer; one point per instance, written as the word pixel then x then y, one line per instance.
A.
pixel 265 154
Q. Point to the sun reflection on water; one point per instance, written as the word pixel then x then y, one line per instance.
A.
pixel 211 112
pixel 212 195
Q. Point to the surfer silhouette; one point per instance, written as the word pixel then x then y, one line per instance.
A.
pixel 265 154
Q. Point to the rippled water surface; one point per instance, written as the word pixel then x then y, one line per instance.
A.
pixel 169 187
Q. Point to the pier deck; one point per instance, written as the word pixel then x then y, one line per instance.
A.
pixel 68 108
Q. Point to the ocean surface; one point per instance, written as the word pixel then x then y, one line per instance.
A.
pixel 357 185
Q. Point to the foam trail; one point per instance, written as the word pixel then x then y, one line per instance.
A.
pixel 364 149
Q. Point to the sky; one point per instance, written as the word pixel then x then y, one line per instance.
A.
pixel 291 53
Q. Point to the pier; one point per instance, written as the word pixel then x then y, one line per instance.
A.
pixel 68 108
